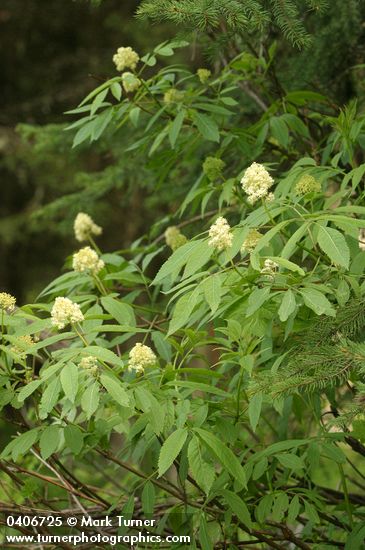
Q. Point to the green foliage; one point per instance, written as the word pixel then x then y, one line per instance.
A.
pixel 221 382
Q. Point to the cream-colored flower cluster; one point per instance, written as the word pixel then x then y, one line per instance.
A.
pixel 256 182
pixel 269 268
pixel 213 168
pixel 22 350
pixel 173 96
pixel 90 365
pixel 86 259
pixel 174 238
pixel 84 227
pixel 220 234
pixel 251 240
pixel 7 301
pixel 140 357
pixel 130 82
pixel 64 311
pixel 307 184
pixel 125 58
pixel 203 75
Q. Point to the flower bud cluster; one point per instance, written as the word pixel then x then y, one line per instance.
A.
pixel 22 350
pixel 307 184
pixel 90 365
pixel 203 75
pixel 130 82
pixel 251 240
pixel 174 238
pixel 213 168
pixel 173 96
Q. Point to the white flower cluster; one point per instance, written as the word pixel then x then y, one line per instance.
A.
pixel 220 234
pixel 64 311
pixel 84 226
pixel 269 268
pixel 125 58
pixel 140 357
pixel 256 182
pixel 7 301
pixel 86 259
pixel 130 82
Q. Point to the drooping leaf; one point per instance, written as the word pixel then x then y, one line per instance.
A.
pixel 202 471
pixel 287 306
pixel 49 440
pixel 333 243
pixel 74 438
pixel 238 507
pixel 223 454
pixel 115 389
pixel 69 380
pixel 254 410
pixel 212 289
pixel 317 301
pixel 90 399
pixel 207 127
pixel 170 449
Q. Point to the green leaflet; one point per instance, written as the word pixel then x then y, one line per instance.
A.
pixel 49 398
pixel 90 399
pixel 333 243
pixel 198 258
pixel 175 127
pixel 183 309
pixel 74 438
pixel 170 449
pixel 224 455
pixel 202 471
pixel 291 461
pixel 69 380
pixel 287 306
pixel 115 389
pixel 254 410
pixel 176 261
pixel 207 127
pixel 238 507
pixel 212 290
pixel 257 299
pixel 20 445
pixel 148 498
pixel 121 311
pixel 27 390
pixel 317 301
pixel 49 440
